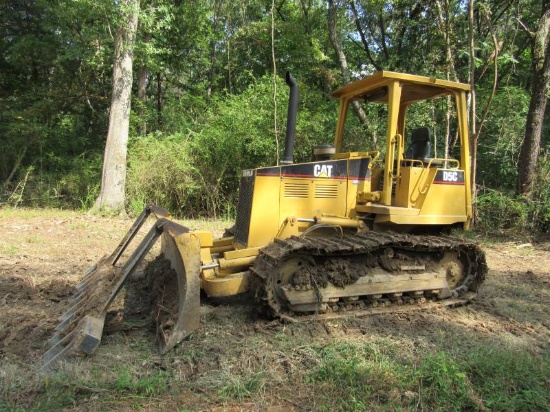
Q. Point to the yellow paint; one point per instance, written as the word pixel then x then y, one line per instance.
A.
pixel 206 239
pixel 240 253
pixel 399 194
pixel 265 215
pixel 392 140
pixel 228 286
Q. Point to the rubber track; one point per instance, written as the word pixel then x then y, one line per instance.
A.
pixel 271 257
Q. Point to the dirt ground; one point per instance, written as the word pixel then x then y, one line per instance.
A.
pixel 43 256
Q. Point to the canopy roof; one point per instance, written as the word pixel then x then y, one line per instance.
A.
pixel 375 88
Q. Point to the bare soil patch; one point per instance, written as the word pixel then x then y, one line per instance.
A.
pixel 43 256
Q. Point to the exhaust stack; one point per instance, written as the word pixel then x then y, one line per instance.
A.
pixel 291 119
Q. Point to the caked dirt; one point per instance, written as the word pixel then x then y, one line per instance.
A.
pixel 43 256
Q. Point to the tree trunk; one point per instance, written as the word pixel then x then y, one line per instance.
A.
pixel 473 119
pixel 366 45
pixel 142 97
pixel 111 196
pixel 530 148
pixel 142 74
pixel 444 26
pixel 159 100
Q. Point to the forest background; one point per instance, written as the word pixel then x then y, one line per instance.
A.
pixel 209 97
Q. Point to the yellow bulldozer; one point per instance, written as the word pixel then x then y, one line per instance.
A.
pixel 347 233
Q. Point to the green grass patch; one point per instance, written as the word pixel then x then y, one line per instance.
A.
pixel 242 387
pixel 151 383
pixel 442 383
pixel 62 391
pixel 355 377
pixel 510 380
pixel 9 250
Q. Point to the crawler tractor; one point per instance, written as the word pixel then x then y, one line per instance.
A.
pixel 347 233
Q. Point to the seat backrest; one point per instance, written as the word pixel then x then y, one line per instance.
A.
pixel 421 146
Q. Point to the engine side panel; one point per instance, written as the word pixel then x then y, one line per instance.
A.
pixel 272 198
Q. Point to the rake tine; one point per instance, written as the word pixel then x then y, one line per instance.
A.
pixel 81 327
pixel 53 359
pixel 85 289
pixel 57 348
pixel 54 340
pixel 69 313
pixel 83 339
pixel 85 284
pixel 90 271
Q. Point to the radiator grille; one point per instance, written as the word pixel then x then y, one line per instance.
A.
pixel 326 191
pixel 297 190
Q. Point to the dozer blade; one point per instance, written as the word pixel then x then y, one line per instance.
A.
pixel 176 320
pixel 81 327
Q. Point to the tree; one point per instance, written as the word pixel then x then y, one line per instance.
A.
pixel 112 194
pixel 530 148
pixel 332 16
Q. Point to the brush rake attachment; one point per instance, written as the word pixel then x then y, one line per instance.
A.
pixel 81 326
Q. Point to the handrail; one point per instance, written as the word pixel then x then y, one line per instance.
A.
pixel 413 161
pixel 445 161
pixel 374 155
pixel 434 160
pixel 351 155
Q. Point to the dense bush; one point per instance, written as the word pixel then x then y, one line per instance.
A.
pixel 501 138
pixel 74 184
pixel 197 173
pixel 500 210
pixel 161 171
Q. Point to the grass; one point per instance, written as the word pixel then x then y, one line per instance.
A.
pixel 9 250
pixel 220 367
pixel 154 382
pixel 463 359
pixel 510 379
pixel 354 378
pixel 30 213
pixel 217 226
pixel 241 387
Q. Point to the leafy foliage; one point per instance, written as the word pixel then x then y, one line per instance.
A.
pixel 501 139
pixel 205 73
pixel 160 171
pixel 503 210
pixel 198 173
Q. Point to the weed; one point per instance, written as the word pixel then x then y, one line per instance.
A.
pixel 354 376
pixel 153 383
pixel 10 250
pixel 241 387
pixel 512 380
pixel 442 383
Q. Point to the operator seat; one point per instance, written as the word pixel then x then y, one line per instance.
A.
pixel 421 145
